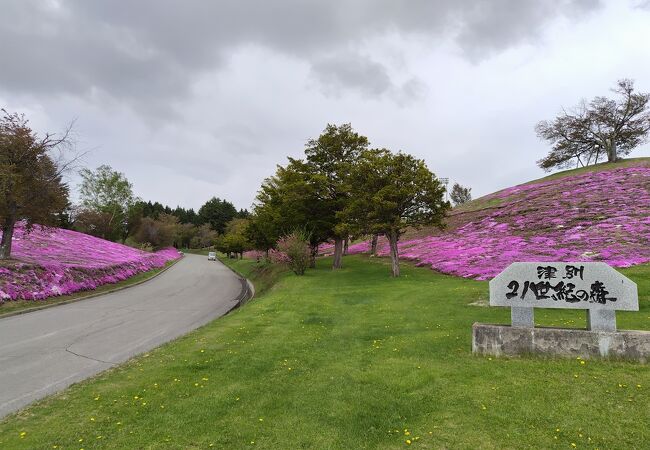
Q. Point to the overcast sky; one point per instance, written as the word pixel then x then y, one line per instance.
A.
pixel 194 99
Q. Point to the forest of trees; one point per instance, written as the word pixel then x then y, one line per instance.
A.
pixel 109 209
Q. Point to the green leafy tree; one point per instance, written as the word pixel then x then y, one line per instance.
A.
pixel 261 232
pixel 108 195
pixel 217 213
pixel 186 233
pixel 393 192
pixel 31 186
pixel 602 128
pixel 295 198
pixel 331 157
pixel 234 240
pixel 460 194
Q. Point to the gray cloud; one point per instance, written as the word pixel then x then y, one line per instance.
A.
pixel 148 51
pixel 352 71
pixel 196 98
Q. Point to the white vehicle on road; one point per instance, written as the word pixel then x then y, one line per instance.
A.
pixel 212 256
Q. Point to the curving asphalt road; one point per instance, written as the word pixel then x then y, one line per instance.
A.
pixel 45 351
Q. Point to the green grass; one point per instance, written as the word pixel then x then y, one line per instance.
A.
pixel 627 162
pixel 21 305
pixel 263 275
pixel 345 360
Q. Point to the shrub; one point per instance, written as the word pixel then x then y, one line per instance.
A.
pixel 295 246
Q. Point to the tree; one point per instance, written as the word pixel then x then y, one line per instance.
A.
pixel 392 192
pixel 234 240
pixel 261 232
pixel 598 129
pixel 217 213
pixel 295 198
pixel 159 233
pixel 31 186
pixel 107 194
pixel 186 233
pixel 205 237
pixel 460 194
pixel 331 157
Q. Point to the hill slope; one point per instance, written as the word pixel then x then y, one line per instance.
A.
pixel 53 261
pixel 600 213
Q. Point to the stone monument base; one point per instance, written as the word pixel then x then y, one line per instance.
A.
pixel 507 340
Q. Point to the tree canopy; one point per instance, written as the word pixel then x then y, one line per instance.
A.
pixel 217 213
pixel 602 128
pixel 293 198
pixel 106 197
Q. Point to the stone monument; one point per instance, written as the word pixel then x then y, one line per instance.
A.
pixel 591 286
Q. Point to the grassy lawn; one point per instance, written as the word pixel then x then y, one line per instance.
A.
pixel 351 359
pixel 17 305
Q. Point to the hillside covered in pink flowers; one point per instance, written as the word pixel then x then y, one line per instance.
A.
pixel 50 261
pixel 601 213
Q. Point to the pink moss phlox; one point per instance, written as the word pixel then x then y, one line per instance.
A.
pixel 53 261
pixel 601 216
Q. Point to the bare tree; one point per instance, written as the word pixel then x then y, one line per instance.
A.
pixel 601 128
pixel 31 172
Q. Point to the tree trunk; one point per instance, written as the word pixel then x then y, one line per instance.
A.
pixel 394 256
pixel 346 244
pixel 313 253
pixel 338 253
pixel 373 245
pixel 7 237
pixel 611 152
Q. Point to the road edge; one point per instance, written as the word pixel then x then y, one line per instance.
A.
pixel 247 290
pixel 89 296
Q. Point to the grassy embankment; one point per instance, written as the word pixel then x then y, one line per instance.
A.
pixel 351 359
pixel 21 305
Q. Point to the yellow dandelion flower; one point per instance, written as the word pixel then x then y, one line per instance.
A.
pixel 23 434
pixel 408 442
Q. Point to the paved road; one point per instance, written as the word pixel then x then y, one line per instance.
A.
pixel 45 351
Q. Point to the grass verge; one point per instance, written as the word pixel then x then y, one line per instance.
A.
pixel 263 275
pixel 351 359
pixel 13 306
